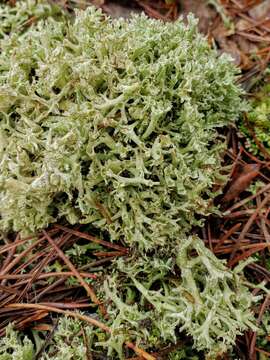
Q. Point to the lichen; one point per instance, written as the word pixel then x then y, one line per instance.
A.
pixel 112 113
pixel 207 301
pixel 114 123
pixel 15 346
pixel 67 342
pixel 19 17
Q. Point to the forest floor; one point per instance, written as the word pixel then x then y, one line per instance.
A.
pixel 242 29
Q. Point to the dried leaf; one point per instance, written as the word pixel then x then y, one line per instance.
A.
pixel 241 181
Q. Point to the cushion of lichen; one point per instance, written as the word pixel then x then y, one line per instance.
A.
pixel 112 122
pixel 66 342
pixel 19 17
pixel 207 301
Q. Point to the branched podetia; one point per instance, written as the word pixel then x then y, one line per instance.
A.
pixel 113 123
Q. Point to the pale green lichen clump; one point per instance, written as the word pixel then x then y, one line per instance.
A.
pixel 116 113
pixel 18 18
pixel 113 123
pixel 207 301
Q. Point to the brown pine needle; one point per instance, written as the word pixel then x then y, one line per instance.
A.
pixel 17 259
pixel 69 264
pixel 47 275
pixel 247 226
pixel 92 238
pixel 227 235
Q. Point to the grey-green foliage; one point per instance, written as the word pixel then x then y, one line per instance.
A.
pixel 207 301
pixel 116 113
pixel 19 17
pixel 113 123
pixel 15 346
pixel 67 343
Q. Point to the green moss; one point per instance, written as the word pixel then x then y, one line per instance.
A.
pixel 259 121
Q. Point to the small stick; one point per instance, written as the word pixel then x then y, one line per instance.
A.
pixel 244 201
pixel 85 318
pixel 263 307
pixel 86 344
pixel 38 315
pixel 243 213
pixel 60 281
pixel 38 269
pixel 227 235
pixel 8 247
pixel 209 237
pixel 46 275
pixel 67 305
pixel 247 254
pixel 11 253
pixel 49 288
pixel 47 340
pixel 88 289
pixel 139 351
pixel 263 223
pixel 108 254
pixel 20 256
pixel 92 238
pixel 104 212
pixel 232 156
